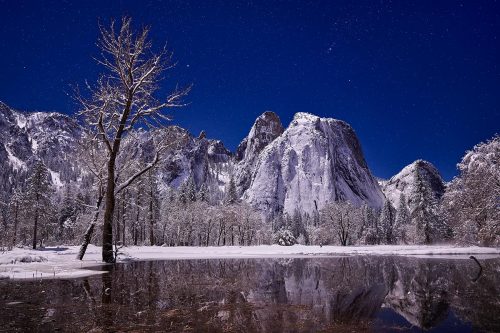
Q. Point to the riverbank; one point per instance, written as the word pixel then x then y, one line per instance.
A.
pixel 60 262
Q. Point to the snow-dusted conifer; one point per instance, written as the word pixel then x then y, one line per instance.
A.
pixel 183 193
pixel 203 194
pixel 231 193
pixel 191 189
pixel 37 199
pixel 386 223
pixel 428 227
pixel 471 204
pixel 297 224
pixel 15 214
pixel 67 213
pixel 402 223
pixel 284 237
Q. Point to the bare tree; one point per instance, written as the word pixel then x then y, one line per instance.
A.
pixel 343 219
pixel 96 164
pixel 124 99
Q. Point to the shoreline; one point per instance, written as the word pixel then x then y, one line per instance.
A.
pixel 60 263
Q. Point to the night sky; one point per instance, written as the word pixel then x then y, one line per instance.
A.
pixel 415 80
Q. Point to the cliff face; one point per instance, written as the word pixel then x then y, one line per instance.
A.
pixel 26 136
pixel 405 182
pixel 314 161
pixel 207 161
pixel 266 129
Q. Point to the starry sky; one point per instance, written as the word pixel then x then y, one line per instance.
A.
pixel 416 79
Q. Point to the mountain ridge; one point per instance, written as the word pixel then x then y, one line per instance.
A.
pixel 312 161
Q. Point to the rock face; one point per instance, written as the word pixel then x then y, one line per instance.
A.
pixel 26 136
pixel 206 160
pixel 314 161
pixel 405 183
pixel 266 128
pixel 54 138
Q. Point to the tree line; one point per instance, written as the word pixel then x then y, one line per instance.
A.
pixel 150 213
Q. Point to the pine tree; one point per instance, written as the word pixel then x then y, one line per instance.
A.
pixel 67 212
pixel 402 223
pixel 297 225
pixel 371 233
pixel 386 223
pixel 428 226
pixel 170 195
pixel 191 189
pixel 471 204
pixel 38 197
pixel 15 213
pixel 231 193
pixel 203 194
pixel 420 214
pixel 183 193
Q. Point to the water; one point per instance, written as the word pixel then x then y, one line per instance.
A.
pixel 348 294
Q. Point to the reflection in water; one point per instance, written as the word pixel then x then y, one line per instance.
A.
pixel 268 295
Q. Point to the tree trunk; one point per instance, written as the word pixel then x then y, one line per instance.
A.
pixel 107 228
pixel 86 241
pixel 136 227
pixel 35 227
pixel 90 230
pixel 232 235
pixel 16 222
pixel 151 222
pixel 220 233
pixel 118 222
pixel 124 218
pixel 208 233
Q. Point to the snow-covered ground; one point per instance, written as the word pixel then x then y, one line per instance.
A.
pixel 61 263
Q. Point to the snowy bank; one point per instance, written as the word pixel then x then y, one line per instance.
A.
pixel 49 263
pixel 60 262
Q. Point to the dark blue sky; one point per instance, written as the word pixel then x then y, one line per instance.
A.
pixel 415 80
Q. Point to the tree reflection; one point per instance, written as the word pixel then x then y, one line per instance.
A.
pixel 269 295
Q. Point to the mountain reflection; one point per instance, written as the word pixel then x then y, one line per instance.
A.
pixel 360 293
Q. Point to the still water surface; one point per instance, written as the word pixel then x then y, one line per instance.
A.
pixel 348 294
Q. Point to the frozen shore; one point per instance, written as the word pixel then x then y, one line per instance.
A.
pixel 60 262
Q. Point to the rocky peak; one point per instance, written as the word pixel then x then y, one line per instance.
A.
pixel 314 161
pixel 265 129
pixel 404 182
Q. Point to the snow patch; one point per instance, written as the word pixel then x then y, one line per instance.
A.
pixel 34 145
pixel 15 162
pixel 21 120
pixel 56 178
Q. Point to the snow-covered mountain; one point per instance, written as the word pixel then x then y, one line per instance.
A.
pixel 266 128
pixel 314 161
pixel 54 138
pixel 26 136
pixel 208 161
pixel 405 182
